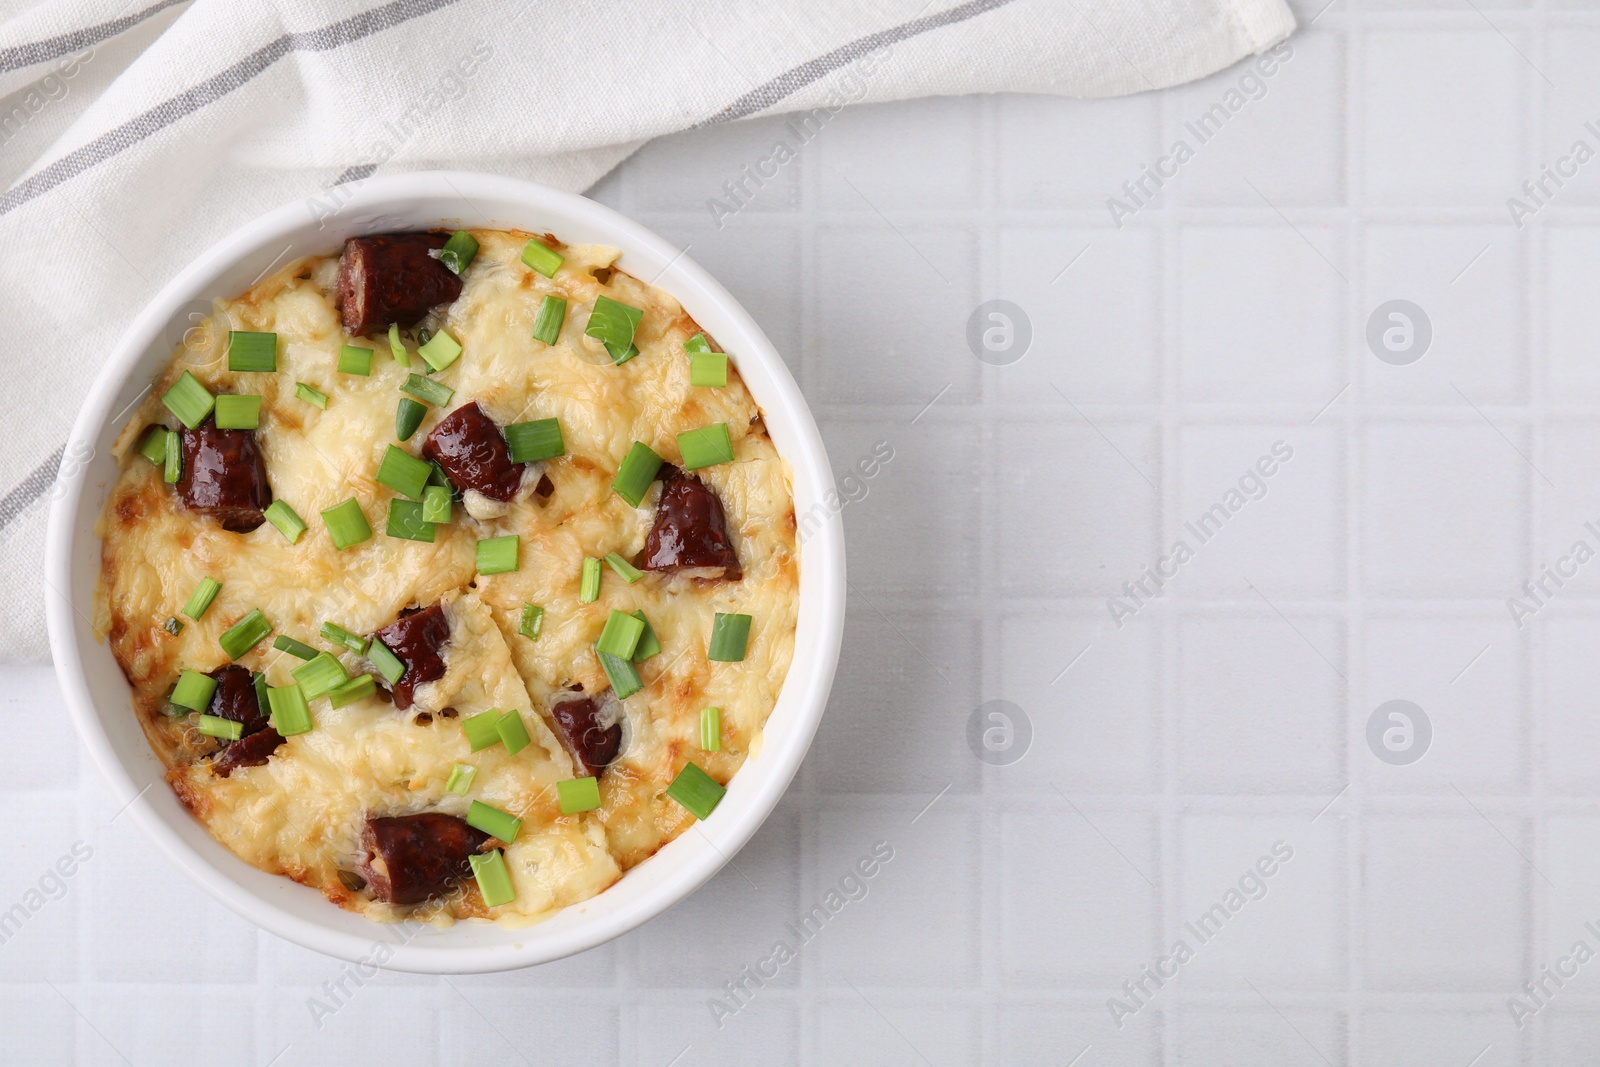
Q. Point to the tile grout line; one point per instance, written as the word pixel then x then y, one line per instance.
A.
pixel 991 843
pixel 1352 423
pixel 1168 827
pixel 1530 267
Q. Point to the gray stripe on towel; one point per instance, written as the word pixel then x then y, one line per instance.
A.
pixel 793 80
pixel 115 141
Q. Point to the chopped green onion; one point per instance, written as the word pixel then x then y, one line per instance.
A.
pixel 408 417
pixel 238 412
pixel 625 681
pixel 285 643
pixel 422 338
pixel 589 581
pixel 482 730
pixel 320 675
pixel 613 324
pixel 649 643
pixel 441 350
pixel 729 636
pixel 532 620
pixel 325 675
pixel 578 794
pixel 245 634
pixel 281 515
pixel 547 324
pixel 193 691
pixel 435 502
pixel 625 570
pixel 498 555
pixel 541 257
pixel 311 395
pixel 621 635
pixel 494 880
pixel 333 632
pixel 154 445
pixel 698 343
pixel 427 389
pixel 249 351
pixel 403 472
pixel 290 713
pixel 696 790
pixel 457 252
pixel 529 442
pixel 705 446
pixel 173 459
pixel 189 400
pixel 346 524
pixel 493 821
pixel 638 470
pixel 388 664
pixel 357 688
pixel 355 359
pixel 397 347
pixel 406 522
pixel 217 726
pixel 711 729
pixel 461 776
pixel 514 732
pixel 259 682
pixel 201 598
pixel 173 626
pixel 438 478
pixel 709 369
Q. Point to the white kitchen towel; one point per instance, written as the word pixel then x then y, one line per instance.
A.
pixel 133 135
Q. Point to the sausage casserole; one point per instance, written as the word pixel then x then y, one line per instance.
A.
pixel 453 575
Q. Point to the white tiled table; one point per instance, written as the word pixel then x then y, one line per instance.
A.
pixel 1166 756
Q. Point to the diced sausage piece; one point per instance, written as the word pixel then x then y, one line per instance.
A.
pixel 473 453
pixel 225 476
pixel 390 279
pixel 416 638
pixel 411 858
pixel 690 532
pixel 235 698
pixel 591 727
pixel 251 750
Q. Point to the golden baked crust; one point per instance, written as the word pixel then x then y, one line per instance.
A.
pixel 302 812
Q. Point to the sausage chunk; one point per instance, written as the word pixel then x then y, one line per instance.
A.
pixel 224 476
pixel 390 279
pixel 690 532
pixel 591 727
pixel 473 453
pixel 416 639
pixel 235 699
pixel 251 750
pixel 411 858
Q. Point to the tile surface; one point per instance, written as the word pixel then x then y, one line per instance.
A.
pixel 1073 738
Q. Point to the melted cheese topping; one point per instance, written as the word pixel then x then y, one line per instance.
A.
pixel 301 813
